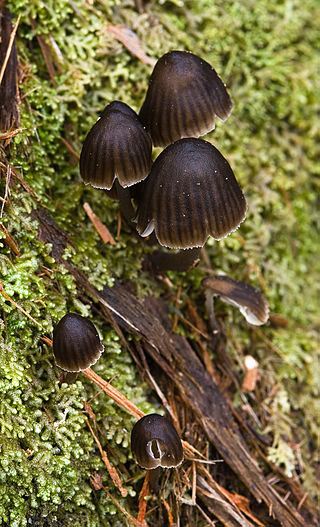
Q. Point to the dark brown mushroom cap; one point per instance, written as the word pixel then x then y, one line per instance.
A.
pixel 250 301
pixel 156 443
pixel 190 194
pixel 117 146
pixel 76 343
pixel 184 97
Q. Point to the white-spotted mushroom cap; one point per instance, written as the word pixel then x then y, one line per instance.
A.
pixel 76 343
pixel 249 300
pixel 184 97
pixel 156 443
pixel 116 147
pixel 190 194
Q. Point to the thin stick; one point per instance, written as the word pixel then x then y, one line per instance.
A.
pixel 123 510
pixel 10 133
pixel 144 493
pixel 70 148
pixel 6 192
pixel 170 517
pixel 101 229
pixel 112 471
pixel 176 305
pixel 194 483
pixel 114 394
pixel 119 224
pixel 5 62
pixel 10 241
pixel 2 291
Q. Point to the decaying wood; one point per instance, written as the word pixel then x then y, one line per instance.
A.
pixel 9 108
pixel 179 362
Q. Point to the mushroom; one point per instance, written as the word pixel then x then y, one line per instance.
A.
pixel 250 301
pixel 116 153
pixel 76 346
pixel 190 194
pixel 76 343
pixel 184 97
pixel 156 443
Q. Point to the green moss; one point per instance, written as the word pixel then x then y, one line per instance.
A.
pixel 264 51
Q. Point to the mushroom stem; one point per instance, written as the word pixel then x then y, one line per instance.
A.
pixel 69 377
pixel 154 479
pixel 181 261
pixel 114 394
pixel 209 304
pixel 126 207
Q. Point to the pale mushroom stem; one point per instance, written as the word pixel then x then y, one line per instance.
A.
pixel 114 394
pixel 181 261
pixel 209 304
pixel 126 207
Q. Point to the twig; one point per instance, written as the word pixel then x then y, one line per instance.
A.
pixel 144 493
pixel 119 224
pixel 129 39
pixel 70 148
pixel 114 394
pixel 7 297
pixel 15 174
pixel 176 305
pixel 101 229
pixel 6 58
pixel 10 133
pixel 10 241
pixel 123 510
pixel 170 517
pixel 6 192
pixel 112 471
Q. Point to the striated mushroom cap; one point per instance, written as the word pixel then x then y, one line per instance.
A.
pixel 249 300
pixel 117 146
pixel 190 194
pixel 184 97
pixel 76 343
pixel 156 443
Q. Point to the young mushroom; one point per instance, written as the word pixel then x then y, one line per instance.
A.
pixel 76 346
pixel 184 97
pixel 190 194
pixel 76 343
pixel 116 153
pixel 156 443
pixel 250 301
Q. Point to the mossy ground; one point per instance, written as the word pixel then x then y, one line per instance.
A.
pixel 265 52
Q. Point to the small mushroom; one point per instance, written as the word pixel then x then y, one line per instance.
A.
pixel 156 443
pixel 76 343
pixel 190 194
pixel 116 147
pixel 116 153
pixel 250 301
pixel 184 97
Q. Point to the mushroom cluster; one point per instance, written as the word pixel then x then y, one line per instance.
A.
pixel 190 192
